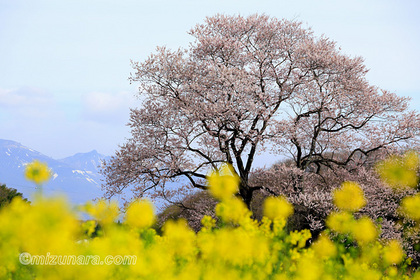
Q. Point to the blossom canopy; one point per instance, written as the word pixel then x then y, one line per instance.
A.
pixel 242 85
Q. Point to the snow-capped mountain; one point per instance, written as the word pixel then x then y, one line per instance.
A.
pixel 77 176
pixel 90 161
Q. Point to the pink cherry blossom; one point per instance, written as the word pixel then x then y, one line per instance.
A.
pixel 243 85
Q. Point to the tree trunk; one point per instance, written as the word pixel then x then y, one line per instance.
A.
pixel 246 193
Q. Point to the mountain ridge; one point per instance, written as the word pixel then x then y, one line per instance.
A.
pixel 75 176
pixel 86 161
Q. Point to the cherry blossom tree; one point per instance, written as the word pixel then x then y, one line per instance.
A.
pixel 243 85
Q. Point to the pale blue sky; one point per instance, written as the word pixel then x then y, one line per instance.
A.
pixel 64 64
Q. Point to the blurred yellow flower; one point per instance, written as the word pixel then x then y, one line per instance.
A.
pixel 45 225
pixel 37 172
pixel 410 206
pixel 208 222
pixel 411 160
pixel 309 269
pixel 223 183
pixel 277 208
pixel 416 276
pixel 349 197
pixel 364 231
pixel 393 253
pixel 393 272
pixel 232 210
pixel 324 247
pixel 105 212
pixel 341 222
pixel 140 214
pixel 400 171
pixel 181 239
pixel 89 227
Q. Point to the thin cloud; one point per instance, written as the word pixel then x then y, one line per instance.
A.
pixel 24 96
pixel 107 107
pixel 27 102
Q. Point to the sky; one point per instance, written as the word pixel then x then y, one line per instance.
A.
pixel 64 65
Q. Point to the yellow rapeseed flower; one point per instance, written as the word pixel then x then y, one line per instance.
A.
pixel 400 171
pixel 277 208
pixel 278 225
pixel 223 183
pixel 416 276
pixel 309 269
pixel 411 160
pixel 393 253
pixel 208 222
pixel 37 172
pixel 324 247
pixel 349 197
pixel 179 237
pixel 341 222
pixel 89 227
pixel 103 211
pixel 140 214
pixel 45 225
pixel 232 210
pixel 410 205
pixel 299 238
pixel 364 231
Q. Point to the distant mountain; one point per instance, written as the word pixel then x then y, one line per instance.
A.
pixel 76 177
pixel 90 161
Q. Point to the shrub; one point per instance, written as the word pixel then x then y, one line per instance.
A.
pixel 7 195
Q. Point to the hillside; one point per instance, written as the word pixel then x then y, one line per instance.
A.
pixel 76 176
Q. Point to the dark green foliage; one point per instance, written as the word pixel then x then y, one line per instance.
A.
pixel 7 195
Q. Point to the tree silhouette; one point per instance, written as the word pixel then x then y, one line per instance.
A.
pixel 7 195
